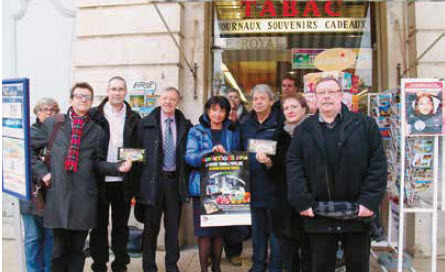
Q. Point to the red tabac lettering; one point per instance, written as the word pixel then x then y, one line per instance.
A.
pixel 290 8
pixel 247 4
pixel 268 7
pixel 328 8
pixel 311 6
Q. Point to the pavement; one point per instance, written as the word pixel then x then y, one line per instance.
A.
pixel 189 261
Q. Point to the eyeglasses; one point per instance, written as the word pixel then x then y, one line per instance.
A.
pixel 82 97
pixel 326 93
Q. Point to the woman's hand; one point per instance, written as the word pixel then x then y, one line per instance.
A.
pixel 261 157
pixel 218 149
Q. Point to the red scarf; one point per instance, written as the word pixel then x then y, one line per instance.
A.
pixel 78 123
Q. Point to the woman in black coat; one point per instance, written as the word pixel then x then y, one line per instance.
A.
pixel 286 223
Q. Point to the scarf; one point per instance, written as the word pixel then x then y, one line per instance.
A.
pixel 78 123
pixel 289 128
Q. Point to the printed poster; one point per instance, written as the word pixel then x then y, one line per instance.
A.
pixel 16 175
pixel 225 190
pixel 424 114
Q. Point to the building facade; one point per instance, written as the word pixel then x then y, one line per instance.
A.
pixel 221 45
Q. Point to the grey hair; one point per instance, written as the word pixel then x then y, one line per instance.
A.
pixel 171 89
pixel 263 89
pixel 46 101
pixel 117 78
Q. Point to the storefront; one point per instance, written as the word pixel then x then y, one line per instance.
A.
pixel 262 42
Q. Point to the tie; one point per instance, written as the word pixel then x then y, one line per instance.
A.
pixel 169 146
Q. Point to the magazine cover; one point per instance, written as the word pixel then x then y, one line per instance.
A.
pixel 424 113
pixel 225 191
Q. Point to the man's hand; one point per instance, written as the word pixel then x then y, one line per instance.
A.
pixel 364 212
pixel 47 180
pixel 308 213
pixel 261 157
pixel 218 149
pixel 125 166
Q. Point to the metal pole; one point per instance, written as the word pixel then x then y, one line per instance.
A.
pixel 400 245
pixel 434 214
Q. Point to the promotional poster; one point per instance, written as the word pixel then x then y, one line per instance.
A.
pixel 424 108
pixel 225 191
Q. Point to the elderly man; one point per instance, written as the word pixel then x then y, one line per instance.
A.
pixel 119 123
pixel 262 123
pixel 39 240
pixel 336 158
pixel 76 147
pixel 164 177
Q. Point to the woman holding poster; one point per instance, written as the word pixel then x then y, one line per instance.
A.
pixel 215 133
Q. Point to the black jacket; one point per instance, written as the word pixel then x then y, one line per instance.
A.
pixel 286 222
pixel 28 207
pixel 262 184
pixel 72 197
pixel 149 137
pixel 131 120
pixel 360 170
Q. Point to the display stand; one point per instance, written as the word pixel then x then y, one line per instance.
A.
pixel 413 161
pixel 423 86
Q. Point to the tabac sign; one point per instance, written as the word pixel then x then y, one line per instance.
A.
pixel 293 25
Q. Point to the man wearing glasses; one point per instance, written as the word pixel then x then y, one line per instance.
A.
pixel 119 123
pixel 336 158
pixel 77 157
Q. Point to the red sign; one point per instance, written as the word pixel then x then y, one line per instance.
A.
pixel 331 8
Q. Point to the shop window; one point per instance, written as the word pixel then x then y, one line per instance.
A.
pixel 268 40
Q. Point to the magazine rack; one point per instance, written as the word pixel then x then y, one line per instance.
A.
pixel 422 86
pixel 413 166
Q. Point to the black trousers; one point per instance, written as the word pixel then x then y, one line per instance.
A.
pixel 305 252
pixel 289 253
pixel 68 255
pixel 356 246
pixel 167 202
pixel 233 238
pixel 120 212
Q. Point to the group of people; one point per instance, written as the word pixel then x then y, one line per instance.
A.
pixel 334 160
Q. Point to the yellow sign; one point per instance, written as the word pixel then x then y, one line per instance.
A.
pixel 335 59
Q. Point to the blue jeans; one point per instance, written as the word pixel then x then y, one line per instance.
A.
pixel 261 235
pixel 39 244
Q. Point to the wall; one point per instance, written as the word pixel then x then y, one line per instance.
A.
pixel 426 23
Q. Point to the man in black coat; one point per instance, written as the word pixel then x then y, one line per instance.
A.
pixel 77 159
pixel 119 123
pixel 163 178
pixel 336 155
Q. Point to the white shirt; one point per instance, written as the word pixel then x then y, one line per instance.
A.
pixel 116 121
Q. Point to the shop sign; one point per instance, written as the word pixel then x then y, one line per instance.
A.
pixel 292 25
pixel 253 43
pixel 335 59
pixel 304 58
pixel 289 8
